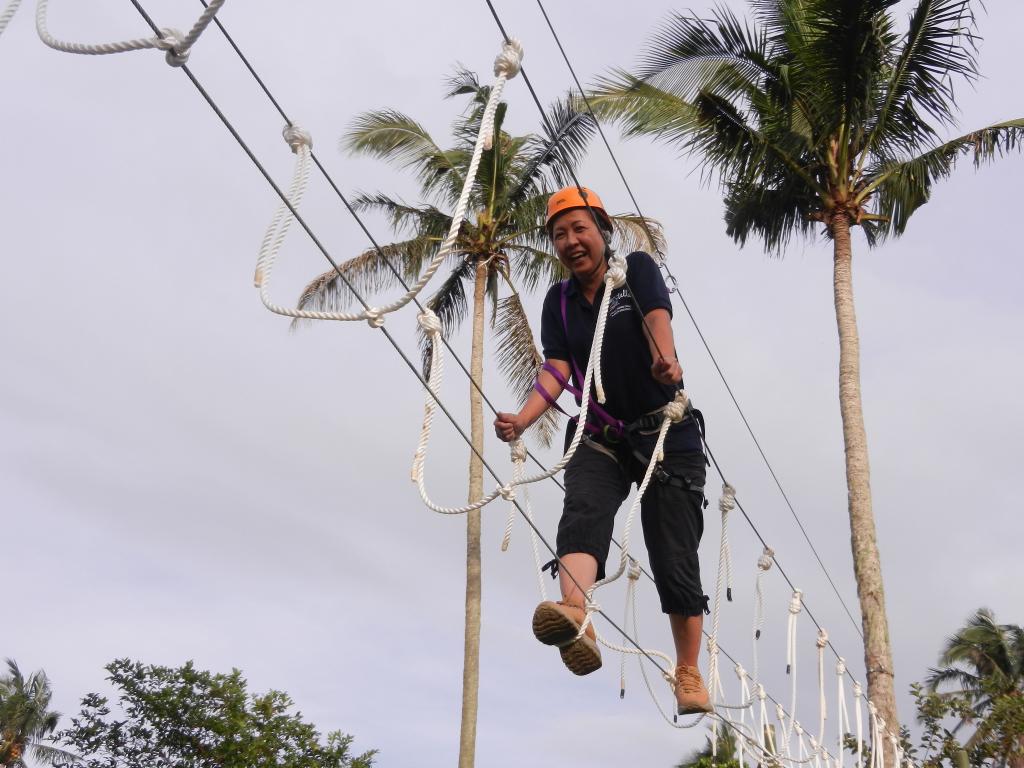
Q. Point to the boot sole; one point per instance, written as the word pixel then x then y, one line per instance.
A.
pixel 552 627
pixel 696 709
pixel 582 656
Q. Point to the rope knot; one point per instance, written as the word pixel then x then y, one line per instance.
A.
pixel 799 729
pixel 171 40
pixel 518 450
pixel 841 667
pixel 727 501
pixel 509 60
pixel 508 493
pixel 822 640
pixel 872 708
pixel 633 572
pixel 374 317
pixel 796 603
pixel 676 410
pixel 429 321
pixel 761 693
pixel 741 673
pixel 297 138
pixel 712 646
pixel 858 691
pixel 764 562
pixel 616 274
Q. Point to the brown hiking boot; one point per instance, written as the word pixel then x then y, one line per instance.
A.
pixel 691 696
pixel 558 624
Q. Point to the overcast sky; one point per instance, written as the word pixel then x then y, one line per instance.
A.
pixel 182 478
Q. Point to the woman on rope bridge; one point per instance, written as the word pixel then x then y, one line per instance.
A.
pixel 639 381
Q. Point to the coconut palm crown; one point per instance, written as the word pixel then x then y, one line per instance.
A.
pixel 815 109
pixel 818 113
pixel 982 660
pixel 26 720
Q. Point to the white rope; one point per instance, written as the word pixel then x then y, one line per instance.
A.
pixel 418 472
pixel 176 45
pixel 8 14
pixel 795 606
pixel 765 740
pixel 741 673
pixel 674 412
pixel 726 502
pixel 821 642
pixel 875 724
pixel 505 67
pixel 843 718
pixel 858 695
pixel 633 576
pixel 614 278
pixel 519 454
pixel 764 563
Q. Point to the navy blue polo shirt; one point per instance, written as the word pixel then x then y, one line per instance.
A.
pixel 630 389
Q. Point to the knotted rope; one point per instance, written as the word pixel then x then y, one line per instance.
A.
pixel 764 563
pixel 822 643
pixel 176 45
pixel 505 68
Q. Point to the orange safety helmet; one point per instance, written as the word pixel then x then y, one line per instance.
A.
pixel 571 198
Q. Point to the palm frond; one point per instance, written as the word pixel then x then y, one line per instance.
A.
pixel 371 271
pixel 396 138
pixel 558 149
pixel 423 220
pixel 720 55
pixel 773 213
pixel 641 109
pixel 638 233
pixel 939 44
pixel 901 188
pixel 519 360
pixel 534 267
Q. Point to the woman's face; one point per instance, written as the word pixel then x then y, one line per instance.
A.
pixel 579 243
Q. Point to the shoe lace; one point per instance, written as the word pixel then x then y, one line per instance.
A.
pixel 688 681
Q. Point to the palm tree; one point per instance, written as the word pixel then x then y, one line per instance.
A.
pixel 818 112
pixel 26 720
pixel 719 751
pixel 502 242
pixel 982 661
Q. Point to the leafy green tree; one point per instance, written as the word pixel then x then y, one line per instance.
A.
pixel 26 720
pixel 819 113
pixel 997 738
pixel 188 718
pixel 501 243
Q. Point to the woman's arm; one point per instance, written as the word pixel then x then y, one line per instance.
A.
pixel 658 332
pixel 510 426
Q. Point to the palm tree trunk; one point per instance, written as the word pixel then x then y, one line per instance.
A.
pixel 471 657
pixel 866 564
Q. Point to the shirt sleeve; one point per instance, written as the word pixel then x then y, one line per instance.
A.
pixel 552 331
pixel 647 283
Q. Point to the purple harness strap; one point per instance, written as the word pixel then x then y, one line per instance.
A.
pixel 609 422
